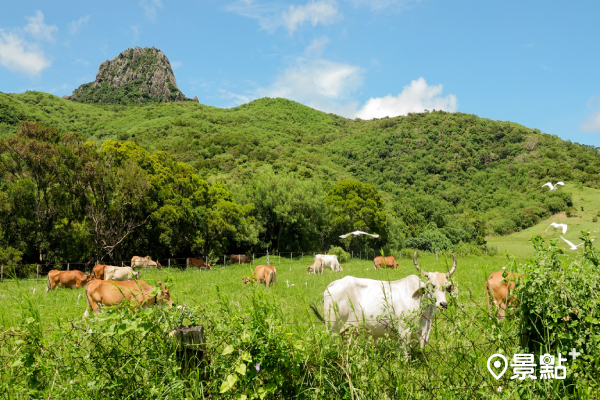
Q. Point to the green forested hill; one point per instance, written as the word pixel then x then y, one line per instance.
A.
pixel 445 178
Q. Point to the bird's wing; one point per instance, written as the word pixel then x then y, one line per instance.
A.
pixel 344 236
pixel 547 184
pixel 564 228
pixel 569 243
pixel 356 233
pixel 375 236
pixel 559 183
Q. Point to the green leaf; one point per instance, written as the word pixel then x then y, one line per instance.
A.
pixel 246 356
pixel 228 350
pixel 241 369
pixel 229 383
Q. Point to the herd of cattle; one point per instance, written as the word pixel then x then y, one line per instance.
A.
pixel 348 302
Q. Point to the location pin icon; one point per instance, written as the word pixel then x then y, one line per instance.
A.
pixel 497 364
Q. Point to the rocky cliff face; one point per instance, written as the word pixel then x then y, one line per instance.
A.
pixel 136 76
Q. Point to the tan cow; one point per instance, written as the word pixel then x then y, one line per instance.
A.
pixel 389 262
pixel 263 273
pixel 142 262
pixel 98 271
pixel 317 268
pixel 239 259
pixel 66 279
pixel 110 293
pixel 112 273
pixel 498 288
pixel 198 262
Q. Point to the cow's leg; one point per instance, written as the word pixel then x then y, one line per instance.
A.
pixel 502 310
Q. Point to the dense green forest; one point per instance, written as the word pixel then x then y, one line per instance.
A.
pixel 87 181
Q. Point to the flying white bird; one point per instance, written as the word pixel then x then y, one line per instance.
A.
pixel 573 247
pixel 288 284
pixel 356 233
pixel 553 187
pixel 557 226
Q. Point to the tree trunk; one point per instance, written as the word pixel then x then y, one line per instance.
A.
pixel 191 350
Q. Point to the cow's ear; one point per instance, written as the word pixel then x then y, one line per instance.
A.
pixel 419 292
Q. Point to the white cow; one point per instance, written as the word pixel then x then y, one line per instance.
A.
pixel 329 262
pixel 382 307
pixel 112 273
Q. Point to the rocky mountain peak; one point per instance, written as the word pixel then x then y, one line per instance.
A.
pixel 136 76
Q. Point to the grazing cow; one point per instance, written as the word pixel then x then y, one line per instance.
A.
pixel 317 267
pixel 137 261
pixel 389 262
pixel 66 279
pixel 197 262
pixel 98 271
pixel 263 273
pixel 380 305
pixel 110 293
pixel 239 259
pixel 330 261
pixel 498 288
pixel 112 273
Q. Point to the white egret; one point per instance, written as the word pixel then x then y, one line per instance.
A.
pixel 557 226
pixel 356 233
pixel 553 187
pixel 573 247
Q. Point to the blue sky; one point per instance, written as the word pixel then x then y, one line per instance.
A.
pixel 531 62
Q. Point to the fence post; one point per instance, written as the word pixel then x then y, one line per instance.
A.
pixel 67 266
pixel 352 256
pixel 436 255
pixel 239 259
pixel 97 262
pixel 1 273
pixel 252 258
pixel 224 262
pixel 187 263
pixel 360 255
pixel 169 263
pixel 302 257
pixel 268 256
pixel 122 264
pixel 146 266
pixel 291 257
pixel 38 272
pixel 279 258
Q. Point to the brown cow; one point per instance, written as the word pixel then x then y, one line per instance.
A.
pixel 239 259
pixel 66 279
pixel 98 271
pixel 390 262
pixel 498 288
pixel 198 262
pixel 109 293
pixel 317 267
pixel 263 273
pixel 142 262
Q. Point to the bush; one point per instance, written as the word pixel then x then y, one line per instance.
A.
pixel 342 255
pixel 559 303
pixel 595 219
pixel 504 226
pixel 571 212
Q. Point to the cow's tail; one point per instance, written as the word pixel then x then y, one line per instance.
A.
pixel 487 295
pixel 317 313
pixel 274 278
pixel 374 264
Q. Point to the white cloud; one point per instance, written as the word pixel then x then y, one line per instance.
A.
pixel 379 5
pixel 271 16
pixel 176 64
pixel 317 46
pixel 592 123
pixel 150 7
pixel 38 29
pixel 136 32
pixel 74 26
pixel 415 97
pixel 17 55
pixel 316 12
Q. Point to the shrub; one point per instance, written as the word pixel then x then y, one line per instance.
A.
pixel 504 226
pixel 595 219
pixel 559 303
pixel 571 212
pixel 342 255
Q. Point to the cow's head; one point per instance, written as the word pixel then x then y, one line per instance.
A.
pixel 440 282
pixel 246 280
pixel 164 296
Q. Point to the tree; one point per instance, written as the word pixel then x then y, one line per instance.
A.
pixel 355 206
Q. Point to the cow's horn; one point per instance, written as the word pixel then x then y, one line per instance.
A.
pixel 416 263
pixel 449 274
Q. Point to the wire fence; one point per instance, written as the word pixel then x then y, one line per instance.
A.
pixel 201 262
